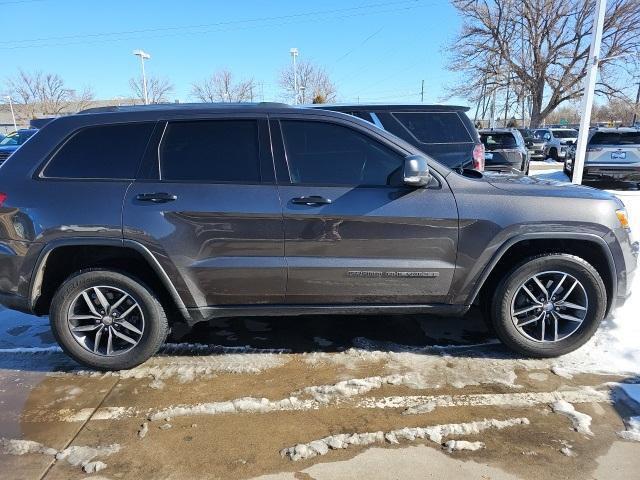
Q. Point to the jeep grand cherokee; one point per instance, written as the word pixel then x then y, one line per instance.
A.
pixel 123 222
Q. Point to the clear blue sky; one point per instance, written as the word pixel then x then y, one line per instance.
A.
pixel 377 50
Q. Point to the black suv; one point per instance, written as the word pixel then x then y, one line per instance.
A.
pixel 444 132
pixel 121 223
pixel 505 150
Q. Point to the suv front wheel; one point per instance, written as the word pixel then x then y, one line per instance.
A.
pixel 549 305
pixel 107 320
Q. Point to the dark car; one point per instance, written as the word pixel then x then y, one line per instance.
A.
pixel 13 141
pixel 535 145
pixel 505 150
pixel 444 132
pixel 122 223
pixel 612 154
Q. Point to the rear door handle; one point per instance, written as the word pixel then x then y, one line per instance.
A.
pixel 311 200
pixel 158 197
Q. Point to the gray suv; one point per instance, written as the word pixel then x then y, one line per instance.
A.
pixel 122 223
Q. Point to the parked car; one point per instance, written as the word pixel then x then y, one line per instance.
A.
pixel 444 132
pixel 121 223
pixel 612 154
pixel 558 141
pixel 534 145
pixel 13 141
pixel 504 150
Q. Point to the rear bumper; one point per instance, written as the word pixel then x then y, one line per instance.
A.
pixel 612 172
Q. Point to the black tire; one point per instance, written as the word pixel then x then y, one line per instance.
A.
pixel 509 285
pixel 553 153
pixel 566 171
pixel 153 336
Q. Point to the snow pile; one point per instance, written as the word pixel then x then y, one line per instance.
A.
pixel 76 455
pixel 581 421
pixel 435 433
pixel 240 405
pixel 633 430
pixel 457 445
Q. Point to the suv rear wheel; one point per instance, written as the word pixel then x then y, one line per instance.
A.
pixel 107 320
pixel 549 305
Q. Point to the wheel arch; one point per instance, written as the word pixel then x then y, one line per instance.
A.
pixel 591 247
pixel 40 292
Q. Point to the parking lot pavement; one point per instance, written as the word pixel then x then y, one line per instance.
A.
pixel 326 398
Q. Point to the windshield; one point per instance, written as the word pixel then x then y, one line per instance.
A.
pixel 15 138
pixel 615 138
pixel 498 140
pixel 565 133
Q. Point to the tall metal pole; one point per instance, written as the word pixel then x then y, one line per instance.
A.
pixel 13 115
pixel 294 54
pixel 635 110
pixel 422 93
pixel 144 81
pixel 589 90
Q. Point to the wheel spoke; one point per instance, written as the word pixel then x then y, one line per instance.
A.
pixel 544 322
pixel 128 311
pixel 569 317
pixel 531 295
pixel 85 317
pixel 558 285
pixel 110 341
pixel 119 302
pixel 96 341
pixel 555 327
pixel 129 326
pixel 527 322
pixel 541 286
pixel 90 304
pixel 101 298
pixel 525 310
pixel 123 336
pixel 85 328
pixel 568 292
pixel 571 305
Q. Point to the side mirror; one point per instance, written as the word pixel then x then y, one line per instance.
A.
pixel 416 171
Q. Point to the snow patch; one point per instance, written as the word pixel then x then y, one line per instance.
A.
pixel 94 467
pixel 457 445
pixel 81 455
pixel 434 433
pixel 22 447
pixel 581 421
pixel 633 430
pixel 143 430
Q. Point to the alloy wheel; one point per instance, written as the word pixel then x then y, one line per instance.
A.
pixel 106 320
pixel 549 306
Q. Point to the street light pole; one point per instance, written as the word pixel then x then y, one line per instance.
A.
pixel 635 110
pixel 13 115
pixel 143 56
pixel 294 54
pixel 589 90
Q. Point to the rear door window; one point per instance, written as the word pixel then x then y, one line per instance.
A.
pixel 434 127
pixel 101 152
pixel 615 138
pixel 210 151
pixel 330 154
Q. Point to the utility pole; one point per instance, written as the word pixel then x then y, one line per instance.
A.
pixel 294 54
pixel 143 56
pixel 635 110
pixel 422 93
pixel 589 90
pixel 13 115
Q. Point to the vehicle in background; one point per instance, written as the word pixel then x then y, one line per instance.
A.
pixel 612 154
pixel 444 132
pixel 558 141
pixel 505 150
pixel 13 141
pixel 533 144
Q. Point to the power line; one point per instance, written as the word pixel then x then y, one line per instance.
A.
pixel 178 29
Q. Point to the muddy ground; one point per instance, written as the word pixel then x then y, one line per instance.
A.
pixel 221 409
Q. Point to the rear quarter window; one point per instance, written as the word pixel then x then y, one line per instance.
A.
pixel 101 152
pixel 434 127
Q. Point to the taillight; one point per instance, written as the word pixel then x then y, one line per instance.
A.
pixel 3 197
pixel 594 149
pixel 478 157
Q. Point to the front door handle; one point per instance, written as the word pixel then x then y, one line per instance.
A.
pixel 311 200
pixel 157 197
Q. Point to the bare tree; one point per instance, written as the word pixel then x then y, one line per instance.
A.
pixel 158 89
pixel 540 49
pixel 41 93
pixel 220 87
pixel 312 81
